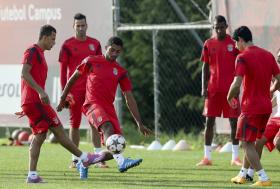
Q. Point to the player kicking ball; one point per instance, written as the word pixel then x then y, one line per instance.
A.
pixel 104 75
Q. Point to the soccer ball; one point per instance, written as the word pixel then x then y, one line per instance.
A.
pixel 115 143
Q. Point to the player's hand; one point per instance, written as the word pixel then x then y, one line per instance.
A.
pixel 144 130
pixel 233 103
pixel 69 101
pixel 20 114
pixel 62 104
pixel 44 97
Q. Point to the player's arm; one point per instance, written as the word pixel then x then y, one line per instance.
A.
pixel 234 90
pixel 25 74
pixel 75 76
pixel 276 84
pixel 64 57
pixel 63 74
pixel 205 78
pixel 133 108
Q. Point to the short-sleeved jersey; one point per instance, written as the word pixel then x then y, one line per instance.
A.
pixel 72 52
pixel 220 55
pixel 257 67
pixel 34 56
pixel 103 78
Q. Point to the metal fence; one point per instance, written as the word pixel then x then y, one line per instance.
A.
pixel 162 58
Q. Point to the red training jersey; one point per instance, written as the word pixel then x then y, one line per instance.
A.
pixel 72 52
pixel 220 55
pixel 103 78
pixel 34 56
pixel 257 67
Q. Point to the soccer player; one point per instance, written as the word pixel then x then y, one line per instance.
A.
pixel 103 76
pixel 35 105
pixel 255 67
pixel 218 57
pixel 72 52
pixel 271 136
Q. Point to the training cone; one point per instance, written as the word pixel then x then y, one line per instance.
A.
pixel 169 145
pixel 181 145
pixel 155 145
pixel 226 148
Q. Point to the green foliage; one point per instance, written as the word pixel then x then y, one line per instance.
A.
pixel 178 62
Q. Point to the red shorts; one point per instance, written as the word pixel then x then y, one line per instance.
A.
pixel 75 110
pixel 40 117
pixel 272 130
pixel 216 104
pixel 97 115
pixel 251 127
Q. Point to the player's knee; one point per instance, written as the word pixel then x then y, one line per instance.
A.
pixel 107 129
pixel 38 140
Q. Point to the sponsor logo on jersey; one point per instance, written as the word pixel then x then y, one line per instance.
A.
pixel 91 47
pixel 230 47
pixel 115 71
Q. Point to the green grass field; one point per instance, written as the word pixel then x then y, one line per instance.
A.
pixel 160 169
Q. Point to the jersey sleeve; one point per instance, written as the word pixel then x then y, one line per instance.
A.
pixel 205 53
pixel 85 67
pixel 240 68
pixel 64 56
pixel 29 56
pixel 125 82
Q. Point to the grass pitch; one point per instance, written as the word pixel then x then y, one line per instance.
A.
pixel 160 169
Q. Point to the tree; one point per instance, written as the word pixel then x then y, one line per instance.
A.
pixel 178 61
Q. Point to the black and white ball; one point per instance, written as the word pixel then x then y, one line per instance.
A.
pixel 115 143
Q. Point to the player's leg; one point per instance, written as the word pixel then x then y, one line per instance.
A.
pixel 96 141
pixel 249 129
pixel 208 138
pixel 123 163
pixel 277 143
pixel 235 143
pixel 75 116
pixel 39 129
pixel 276 140
pixel 34 153
pixel 212 109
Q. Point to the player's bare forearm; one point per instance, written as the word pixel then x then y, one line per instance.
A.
pixel 234 89
pixel 132 106
pixel 63 74
pixel 205 78
pixel 69 84
pixel 25 74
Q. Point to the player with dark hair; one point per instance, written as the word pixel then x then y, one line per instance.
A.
pixel 72 52
pixel 255 67
pixel 218 57
pixel 103 76
pixel 271 135
pixel 35 105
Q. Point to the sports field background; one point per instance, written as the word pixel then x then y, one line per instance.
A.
pixel 160 169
